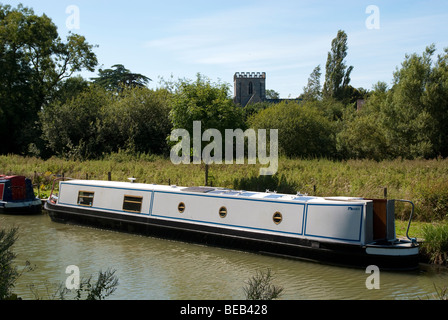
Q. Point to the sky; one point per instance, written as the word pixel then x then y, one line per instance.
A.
pixel 286 39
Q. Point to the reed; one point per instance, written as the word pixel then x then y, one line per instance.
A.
pixel 423 181
pixel 435 246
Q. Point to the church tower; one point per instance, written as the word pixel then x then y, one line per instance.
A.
pixel 249 87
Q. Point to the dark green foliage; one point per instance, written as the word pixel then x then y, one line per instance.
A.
pixel 337 74
pixel 304 130
pixel 204 101
pixel 119 78
pixel 73 129
pixel 260 287
pixel 8 272
pixel 45 111
pixel 97 122
pixel 33 62
pixel 409 120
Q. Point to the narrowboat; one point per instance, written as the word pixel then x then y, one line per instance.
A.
pixel 347 231
pixel 17 196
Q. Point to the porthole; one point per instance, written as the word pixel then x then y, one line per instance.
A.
pixel 223 212
pixel 181 207
pixel 277 217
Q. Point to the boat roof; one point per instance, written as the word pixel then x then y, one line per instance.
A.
pixel 268 195
pixel 4 177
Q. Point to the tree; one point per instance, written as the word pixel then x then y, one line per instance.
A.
pixel 69 89
pixel 119 78
pixel 337 75
pixel 303 129
pixel 363 137
pixel 137 122
pixel 73 129
pixel 272 94
pixel 409 120
pixel 33 62
pixel 410 116
pixel 204 101
pixel 312 91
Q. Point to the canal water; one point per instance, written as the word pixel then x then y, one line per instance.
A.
pixel 149 268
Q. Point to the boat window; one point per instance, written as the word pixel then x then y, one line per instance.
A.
pixel 132 203
pixel 85 198
pixel 277 217
pixel 181 207
pixel 223 212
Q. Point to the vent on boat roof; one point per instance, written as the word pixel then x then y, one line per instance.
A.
pixel 198 189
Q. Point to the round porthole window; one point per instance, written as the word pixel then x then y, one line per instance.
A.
pixel 181 207
pixel 277 217
pixel 223 212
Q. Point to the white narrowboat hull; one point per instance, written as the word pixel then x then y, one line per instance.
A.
pixel 333 230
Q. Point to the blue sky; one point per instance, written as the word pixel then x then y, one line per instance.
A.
pixel 285 39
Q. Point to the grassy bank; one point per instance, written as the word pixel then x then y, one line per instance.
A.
pixel 425 182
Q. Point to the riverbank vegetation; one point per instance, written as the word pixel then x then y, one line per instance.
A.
pixel 423 181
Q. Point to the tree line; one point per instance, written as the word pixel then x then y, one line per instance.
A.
pixel 45 110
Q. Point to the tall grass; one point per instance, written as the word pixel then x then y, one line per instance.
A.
pixel 423 181
pixel 435 246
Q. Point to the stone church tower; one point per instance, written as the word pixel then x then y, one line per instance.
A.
pixel 249 87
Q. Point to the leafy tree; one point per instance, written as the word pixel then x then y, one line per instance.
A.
pixel 312 91
pixel 304 129
pixel 97 122
pixel 70 88
pixel 119 78
pixel 73 129
pixel 435 98
pixel 337 74
pixel 272 94
pixel 410 115
pixel 408 120
pixel 204 101
pixel 363 137
pixel 137 122
pixel 33 61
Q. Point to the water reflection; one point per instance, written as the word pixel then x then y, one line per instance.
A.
pixel 150 268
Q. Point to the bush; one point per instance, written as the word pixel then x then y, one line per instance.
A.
pixel 260 287
pixel 8 272
pixel 435 245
